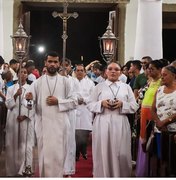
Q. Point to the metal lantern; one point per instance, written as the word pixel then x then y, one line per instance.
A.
pixel 108 44
pixel 20 42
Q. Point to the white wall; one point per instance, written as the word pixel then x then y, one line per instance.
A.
pixel 1 30
pixel 169 1
pixel 130 29
pixel 6 29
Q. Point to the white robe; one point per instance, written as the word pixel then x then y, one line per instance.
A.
pixel 15 156
pixel 84 117
pixel 111 145
pixel 69 166
pixel 52 123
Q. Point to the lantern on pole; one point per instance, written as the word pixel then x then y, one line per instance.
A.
pixel 20 42
pixel 108 45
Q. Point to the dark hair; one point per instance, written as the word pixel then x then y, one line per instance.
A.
pixel 51 53
pixel 18 71
pixel 164 62
pixel 97 66
pixel 149 59
pixel 13 61
pixel 79 65
pixel 66 60
pixel 170 68
pixel 5 73
pixel 137 64
pixel 115 63
pixel 1 60
pixel 157 63
pixel 103 68
pixel 29 64
pixel 128 64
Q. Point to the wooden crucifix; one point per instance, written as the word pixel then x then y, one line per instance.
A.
pixel 65 16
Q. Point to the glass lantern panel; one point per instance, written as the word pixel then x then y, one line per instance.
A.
pixel 20 44
pixel 108 46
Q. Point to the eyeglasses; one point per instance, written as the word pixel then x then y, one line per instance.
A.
pixel 116 69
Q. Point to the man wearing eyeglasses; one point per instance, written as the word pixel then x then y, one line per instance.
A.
pixel 84 117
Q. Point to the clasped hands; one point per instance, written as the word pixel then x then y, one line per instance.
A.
pixel 80 101
pixel 112 104
pixel 51 100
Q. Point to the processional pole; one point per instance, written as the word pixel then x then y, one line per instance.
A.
pixel 65 16
pixel 20 41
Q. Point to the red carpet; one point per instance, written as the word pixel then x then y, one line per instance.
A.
pixel 84 167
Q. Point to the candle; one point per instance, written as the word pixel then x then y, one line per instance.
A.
pixel 20 47
pixel 107 47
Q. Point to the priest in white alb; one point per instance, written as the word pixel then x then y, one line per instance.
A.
pixel 53 97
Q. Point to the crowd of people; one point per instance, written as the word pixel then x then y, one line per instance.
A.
pixel 129 110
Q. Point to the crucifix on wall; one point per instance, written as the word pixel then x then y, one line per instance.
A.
pixel 65 16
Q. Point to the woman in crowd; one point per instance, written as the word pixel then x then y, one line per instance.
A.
pixel 19 128
pixel 111 101
pixel 164 115
pixel 155 75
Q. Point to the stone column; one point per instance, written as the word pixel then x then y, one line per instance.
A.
pixel 149 29
pixel 1 29
pixel 6 29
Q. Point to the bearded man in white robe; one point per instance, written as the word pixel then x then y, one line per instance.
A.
pixel 53 97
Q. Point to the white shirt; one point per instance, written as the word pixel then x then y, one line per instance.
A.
pixel 123 78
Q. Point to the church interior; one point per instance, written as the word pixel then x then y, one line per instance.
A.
pixel 82 45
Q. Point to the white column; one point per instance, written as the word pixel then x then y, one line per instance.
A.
pixel 130 29
pixel 149 29
pixel 1 29
pixel 6 29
